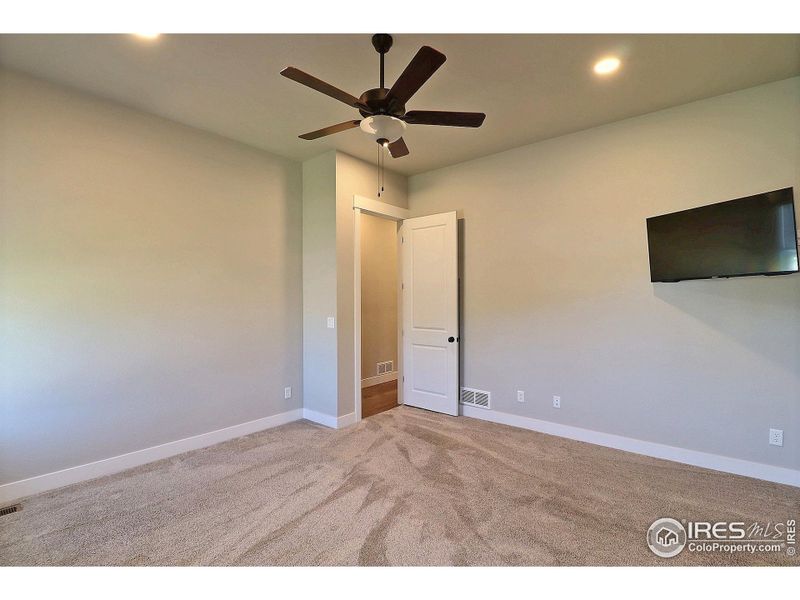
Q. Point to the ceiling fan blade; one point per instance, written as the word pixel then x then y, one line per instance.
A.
pixel 418 71
pixel 444 117
pixel 398 148
pixel 320 86
pixel 329 130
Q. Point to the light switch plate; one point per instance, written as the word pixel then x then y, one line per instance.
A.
pixel 331 323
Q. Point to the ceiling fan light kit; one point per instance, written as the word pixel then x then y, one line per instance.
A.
pixel 384 129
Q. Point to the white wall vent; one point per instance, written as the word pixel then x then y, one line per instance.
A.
pixel 479 398
pixel 385 367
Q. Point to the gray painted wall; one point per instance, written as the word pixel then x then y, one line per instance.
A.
pixel 557 297
pixel 319 284
pixel 150 280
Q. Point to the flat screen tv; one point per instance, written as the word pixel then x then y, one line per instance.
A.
pixel 755 235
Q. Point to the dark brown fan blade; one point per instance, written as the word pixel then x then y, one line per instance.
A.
pixel 443 117
pixel 418 71
pixel 398 148
pixel 319 85
pixel 329 130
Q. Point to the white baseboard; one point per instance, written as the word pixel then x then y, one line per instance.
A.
pixel 329 420
pixel 346 420
pixel 690 457
pixel 383 378
pixel 115 464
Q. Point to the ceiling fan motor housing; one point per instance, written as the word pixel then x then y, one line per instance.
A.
pixel 375 100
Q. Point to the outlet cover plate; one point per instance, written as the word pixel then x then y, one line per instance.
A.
pixel 776 437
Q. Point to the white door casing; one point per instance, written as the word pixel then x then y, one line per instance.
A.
pixel 430 312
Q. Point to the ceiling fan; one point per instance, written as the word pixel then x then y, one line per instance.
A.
pixel 384 110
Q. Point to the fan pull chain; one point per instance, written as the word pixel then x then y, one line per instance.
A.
pixel 380 162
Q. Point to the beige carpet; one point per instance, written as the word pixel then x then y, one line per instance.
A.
pixel 405 487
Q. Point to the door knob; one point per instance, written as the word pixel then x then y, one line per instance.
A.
pixel 451 339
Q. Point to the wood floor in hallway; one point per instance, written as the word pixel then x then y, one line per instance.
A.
pixel 378 398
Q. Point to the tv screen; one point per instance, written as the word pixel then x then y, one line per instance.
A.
pixel 755 235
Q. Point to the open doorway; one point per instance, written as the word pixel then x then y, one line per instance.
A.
pixel 379 314
pixel 428 341
pixel 391 217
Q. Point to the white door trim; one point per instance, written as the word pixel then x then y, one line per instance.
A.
pixel 387 211
pixel 381 209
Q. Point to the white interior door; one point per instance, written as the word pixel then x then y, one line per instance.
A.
pixel 430 312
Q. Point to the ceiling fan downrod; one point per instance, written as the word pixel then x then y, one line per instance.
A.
pixel 382 42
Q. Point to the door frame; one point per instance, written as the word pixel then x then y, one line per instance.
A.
pixel 376 208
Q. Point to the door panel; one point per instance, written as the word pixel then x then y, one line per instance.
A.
pixel 430 303
pixel 430 312
pixel 431 372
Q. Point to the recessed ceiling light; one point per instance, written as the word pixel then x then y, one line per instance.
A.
pixel 606 65
pixel 147 36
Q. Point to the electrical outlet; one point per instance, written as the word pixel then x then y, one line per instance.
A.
pixel 287 392
pixel 520 396
pixel 776 437
pixel 331 323
pixel 556 401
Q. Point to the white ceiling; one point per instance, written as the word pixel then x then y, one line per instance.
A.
pixel 532 87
